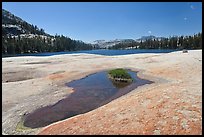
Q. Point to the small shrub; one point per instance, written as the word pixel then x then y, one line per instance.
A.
pixel 120 75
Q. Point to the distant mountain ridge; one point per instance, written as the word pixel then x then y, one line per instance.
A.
pixel 110 43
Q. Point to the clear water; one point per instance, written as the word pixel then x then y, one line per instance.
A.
pixel 89 93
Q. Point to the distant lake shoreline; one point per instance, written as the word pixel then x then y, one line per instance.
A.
pixel 105 52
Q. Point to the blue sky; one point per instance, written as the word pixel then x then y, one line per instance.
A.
pixel 89 21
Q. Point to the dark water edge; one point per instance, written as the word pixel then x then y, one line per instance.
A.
pixel 89 93
pixel 98 52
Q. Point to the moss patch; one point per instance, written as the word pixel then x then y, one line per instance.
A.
pixel 20 127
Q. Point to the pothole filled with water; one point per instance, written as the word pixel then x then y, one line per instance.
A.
pixel 89 93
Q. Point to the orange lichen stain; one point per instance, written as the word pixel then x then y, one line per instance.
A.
pixel 167 72
pixel 55 76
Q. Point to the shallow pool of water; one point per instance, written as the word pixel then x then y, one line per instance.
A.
pixel 89 93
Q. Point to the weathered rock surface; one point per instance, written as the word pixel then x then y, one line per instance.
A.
pixel 172 105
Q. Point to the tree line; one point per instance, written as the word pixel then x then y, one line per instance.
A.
pixel 58 43
pixel 182 42
pixel 39 44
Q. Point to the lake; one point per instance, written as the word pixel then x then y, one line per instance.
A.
pixel 103 52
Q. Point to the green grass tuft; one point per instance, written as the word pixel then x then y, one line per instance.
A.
pixel 120 74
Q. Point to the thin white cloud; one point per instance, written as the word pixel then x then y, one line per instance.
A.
pixel 192 7
pixel 185 18
pixel 149 32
